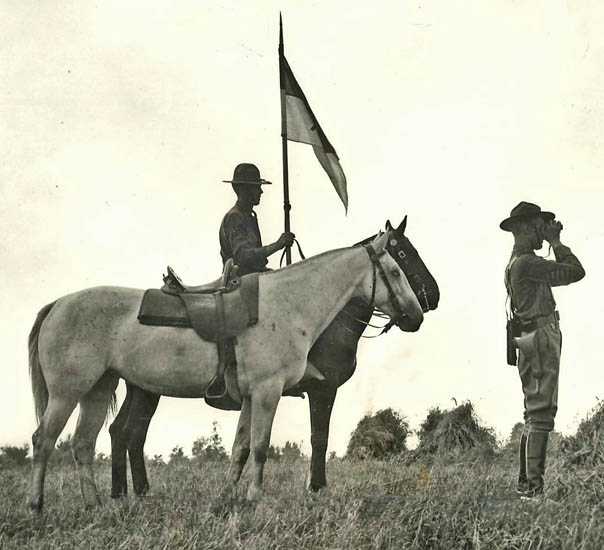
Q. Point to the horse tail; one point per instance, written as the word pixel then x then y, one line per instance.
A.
pixel 38 384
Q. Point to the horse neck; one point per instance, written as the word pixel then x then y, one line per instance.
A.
pixel 354 316
pixel 331 279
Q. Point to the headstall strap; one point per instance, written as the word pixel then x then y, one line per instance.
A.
pixel 392 296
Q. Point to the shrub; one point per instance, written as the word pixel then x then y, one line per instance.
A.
pixel 11 455
pixel 157 460
pixel 102 458
pixel 380 435
pixel 62 454
pixel 290 452
pixel 274 453
pixel 177 456
pixel 209 448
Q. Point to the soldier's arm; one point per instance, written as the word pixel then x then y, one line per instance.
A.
pixel 244 245
pixel 566 269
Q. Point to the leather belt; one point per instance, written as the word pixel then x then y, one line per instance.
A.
pixel 539 322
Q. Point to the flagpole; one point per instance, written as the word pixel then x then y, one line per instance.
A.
pixel 286 204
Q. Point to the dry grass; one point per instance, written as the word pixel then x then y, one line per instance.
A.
pixel 370 504
pixel 587 445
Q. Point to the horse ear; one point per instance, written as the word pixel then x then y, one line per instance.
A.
pixel 379 243
pixel 389 226
pixel 401 228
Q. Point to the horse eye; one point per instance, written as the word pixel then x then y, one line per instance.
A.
pixel 395 272
pixel 393 242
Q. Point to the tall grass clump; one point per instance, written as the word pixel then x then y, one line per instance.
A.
pixel 455 432
pixel 379 435
pixel 586 447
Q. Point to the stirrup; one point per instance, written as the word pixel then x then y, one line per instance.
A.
pixel 217 388
pixel 222 401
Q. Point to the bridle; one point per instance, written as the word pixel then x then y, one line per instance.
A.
pixel 421 293
pixel 394 301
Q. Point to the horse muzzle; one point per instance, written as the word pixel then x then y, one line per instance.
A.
pixel 410 323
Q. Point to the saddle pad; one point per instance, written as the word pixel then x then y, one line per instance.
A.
pixel 162 310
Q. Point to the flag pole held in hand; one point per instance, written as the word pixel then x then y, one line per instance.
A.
pixel 298 123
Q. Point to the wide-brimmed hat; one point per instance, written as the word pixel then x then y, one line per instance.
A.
pixel 247 173
pixel 524 211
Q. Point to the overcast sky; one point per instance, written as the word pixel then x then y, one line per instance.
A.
pixel 118 122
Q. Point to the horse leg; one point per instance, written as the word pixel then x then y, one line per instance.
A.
pixel 144 405
pixel 265 399
pixel 241 448
pixel 44 438
pixel 119 481
pixel 321 402
pixel 93 411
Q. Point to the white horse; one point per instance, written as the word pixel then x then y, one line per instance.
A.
pixel 81 344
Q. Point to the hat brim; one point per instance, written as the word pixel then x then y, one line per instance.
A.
pixel 249 182
pixel 508 223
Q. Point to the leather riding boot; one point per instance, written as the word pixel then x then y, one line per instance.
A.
pixel 522 485
pixel 536 450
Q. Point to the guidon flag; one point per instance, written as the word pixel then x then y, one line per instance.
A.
pixel 302 126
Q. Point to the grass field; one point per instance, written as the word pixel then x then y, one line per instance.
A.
pixel 369 504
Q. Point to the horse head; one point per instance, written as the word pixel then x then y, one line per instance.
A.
pixel 407 257
pixel 390 290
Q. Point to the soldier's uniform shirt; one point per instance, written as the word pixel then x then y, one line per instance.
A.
pixel 240 239
pixel 530 279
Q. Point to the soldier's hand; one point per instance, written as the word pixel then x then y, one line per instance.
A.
pixel 551 231
pixel 286 239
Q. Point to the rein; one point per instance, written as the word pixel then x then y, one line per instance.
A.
pixel 302 256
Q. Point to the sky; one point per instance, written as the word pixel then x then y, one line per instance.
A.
pixel 118 122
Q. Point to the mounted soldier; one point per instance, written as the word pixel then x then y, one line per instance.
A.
pixel 533 330
pixel 241 246
pixel 239 233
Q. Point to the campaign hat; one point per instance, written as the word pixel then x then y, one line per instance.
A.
pixel 247 173
pixel 525 211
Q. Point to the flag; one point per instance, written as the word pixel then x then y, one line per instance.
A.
pixel 302 126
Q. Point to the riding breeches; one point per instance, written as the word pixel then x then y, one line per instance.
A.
pixel 539 369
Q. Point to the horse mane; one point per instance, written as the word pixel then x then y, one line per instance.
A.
pixel 307 261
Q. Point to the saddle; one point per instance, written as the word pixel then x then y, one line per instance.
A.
pixel 174 285
pixel 218 312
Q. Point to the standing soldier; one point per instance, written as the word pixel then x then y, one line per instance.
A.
pixel 536 333
pixel 239 233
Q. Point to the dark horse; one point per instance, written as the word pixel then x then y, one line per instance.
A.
pixel 333 354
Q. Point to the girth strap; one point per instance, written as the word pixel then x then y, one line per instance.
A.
pixel 249 295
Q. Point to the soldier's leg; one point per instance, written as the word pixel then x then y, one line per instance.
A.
pixel 528 387
pixel 522 485
pixel 541 402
